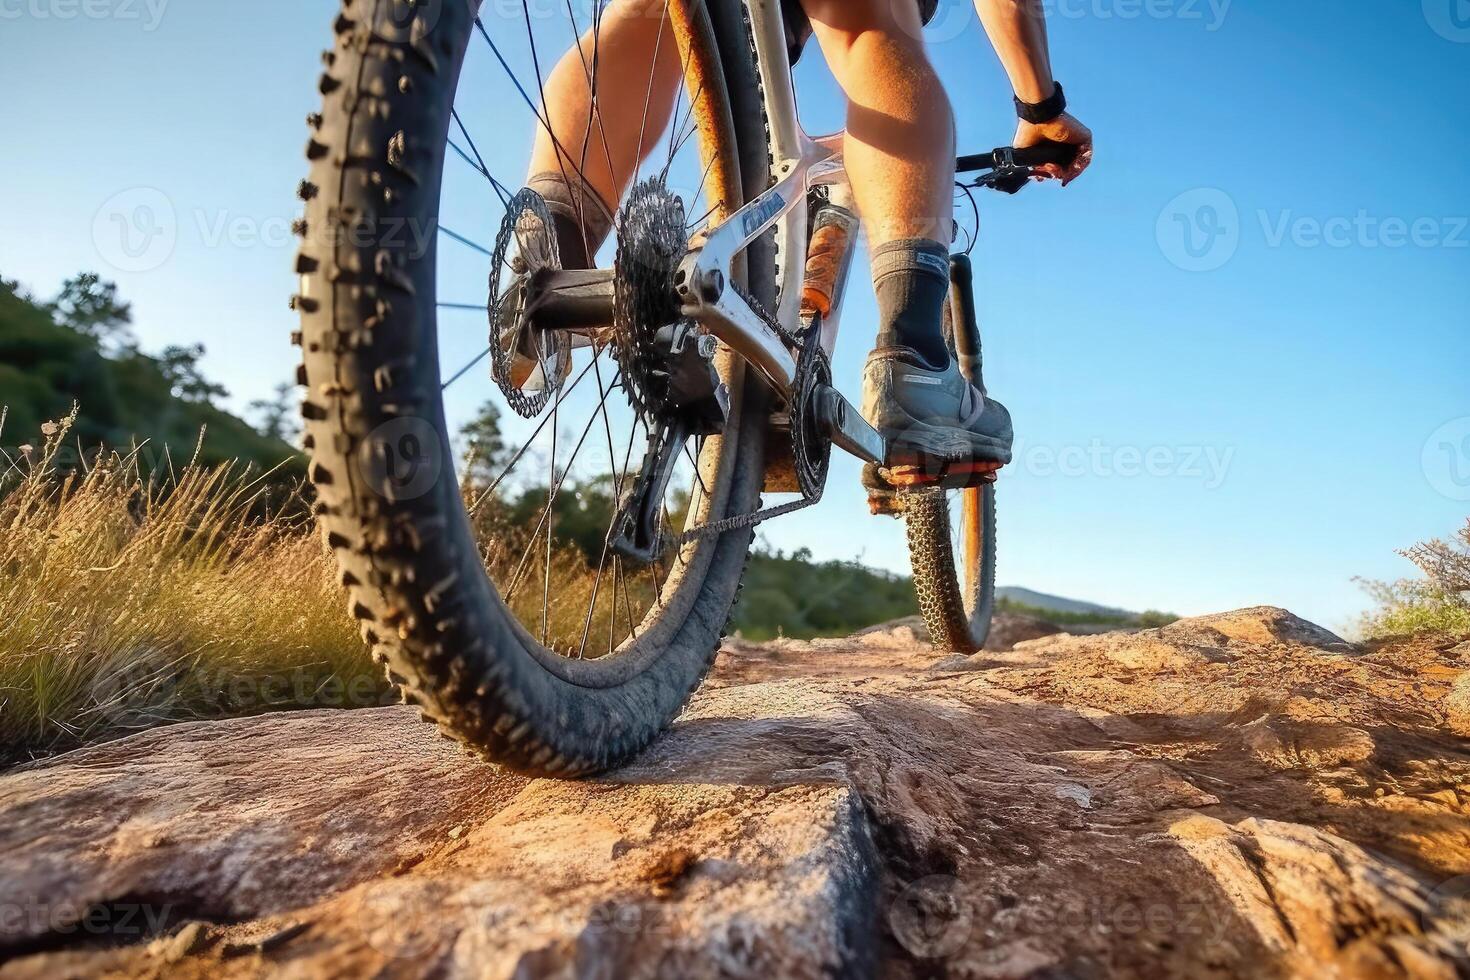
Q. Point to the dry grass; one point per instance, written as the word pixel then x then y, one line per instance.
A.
pixel 618 599
pixel 128 601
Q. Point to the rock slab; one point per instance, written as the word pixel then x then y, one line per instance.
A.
pixel 1236 795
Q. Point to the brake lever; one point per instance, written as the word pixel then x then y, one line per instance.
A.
pixel 1007 176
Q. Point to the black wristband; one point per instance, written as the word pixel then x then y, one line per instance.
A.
pixel 1044 111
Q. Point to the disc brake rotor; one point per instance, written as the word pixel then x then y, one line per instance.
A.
pixel 527 364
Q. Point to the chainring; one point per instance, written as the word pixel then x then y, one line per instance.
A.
pixel 811 448
pixel 652 239
pixel 527 365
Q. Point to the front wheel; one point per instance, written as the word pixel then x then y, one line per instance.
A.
pixel 489 594
pixel 952 549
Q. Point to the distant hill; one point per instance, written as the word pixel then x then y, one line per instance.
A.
pixel 1056 603
pixel 52 357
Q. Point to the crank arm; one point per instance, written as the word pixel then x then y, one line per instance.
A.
pixel 847 429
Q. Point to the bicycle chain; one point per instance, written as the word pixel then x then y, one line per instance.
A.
pixel 811 366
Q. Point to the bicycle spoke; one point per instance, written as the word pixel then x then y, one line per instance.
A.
pixel 553 491
pixel 653 65
pixel 595 112
pixel 676 141
pixel 466 241
pixel 462 371
pixel 527 444
pixel 500 189
pixel 551 522
pixel 627 607
pixel 525 96
pixel 464 306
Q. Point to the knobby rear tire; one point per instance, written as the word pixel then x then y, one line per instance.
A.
pixel 408 559
pixel 957 602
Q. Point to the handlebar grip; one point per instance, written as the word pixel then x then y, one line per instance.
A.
pixel 1061 154
pixel 974 161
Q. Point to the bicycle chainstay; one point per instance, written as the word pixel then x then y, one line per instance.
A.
pixel 810 363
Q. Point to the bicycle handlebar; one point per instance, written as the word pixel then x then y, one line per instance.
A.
pixel 1061 154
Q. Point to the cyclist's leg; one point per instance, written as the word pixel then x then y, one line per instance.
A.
pixel 900 161
pixel 900 130
pixel 899 153
pixel 637 82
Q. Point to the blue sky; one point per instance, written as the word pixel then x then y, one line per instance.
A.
pixel 1236 351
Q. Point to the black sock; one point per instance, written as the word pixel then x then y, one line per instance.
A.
pixel 911 280
pixel 564 204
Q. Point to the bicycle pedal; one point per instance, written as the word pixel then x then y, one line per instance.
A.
pixel 926 472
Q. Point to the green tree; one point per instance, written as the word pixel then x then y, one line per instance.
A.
pixel 278 416
pixel 180 366
pixel 485 449
pixel 90 306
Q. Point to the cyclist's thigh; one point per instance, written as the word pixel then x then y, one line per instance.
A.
pixel 852 17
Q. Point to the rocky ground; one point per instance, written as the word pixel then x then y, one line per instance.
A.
pixel 1234 795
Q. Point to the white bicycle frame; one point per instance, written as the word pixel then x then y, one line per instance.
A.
pixel 802 162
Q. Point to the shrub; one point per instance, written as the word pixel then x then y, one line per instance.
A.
pixel 1439 602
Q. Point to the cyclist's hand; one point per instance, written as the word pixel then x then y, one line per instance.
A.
pixel 1063 129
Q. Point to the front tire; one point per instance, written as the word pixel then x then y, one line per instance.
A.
pixel 388 502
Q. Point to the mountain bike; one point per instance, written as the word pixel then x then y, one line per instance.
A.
pixel 496 599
